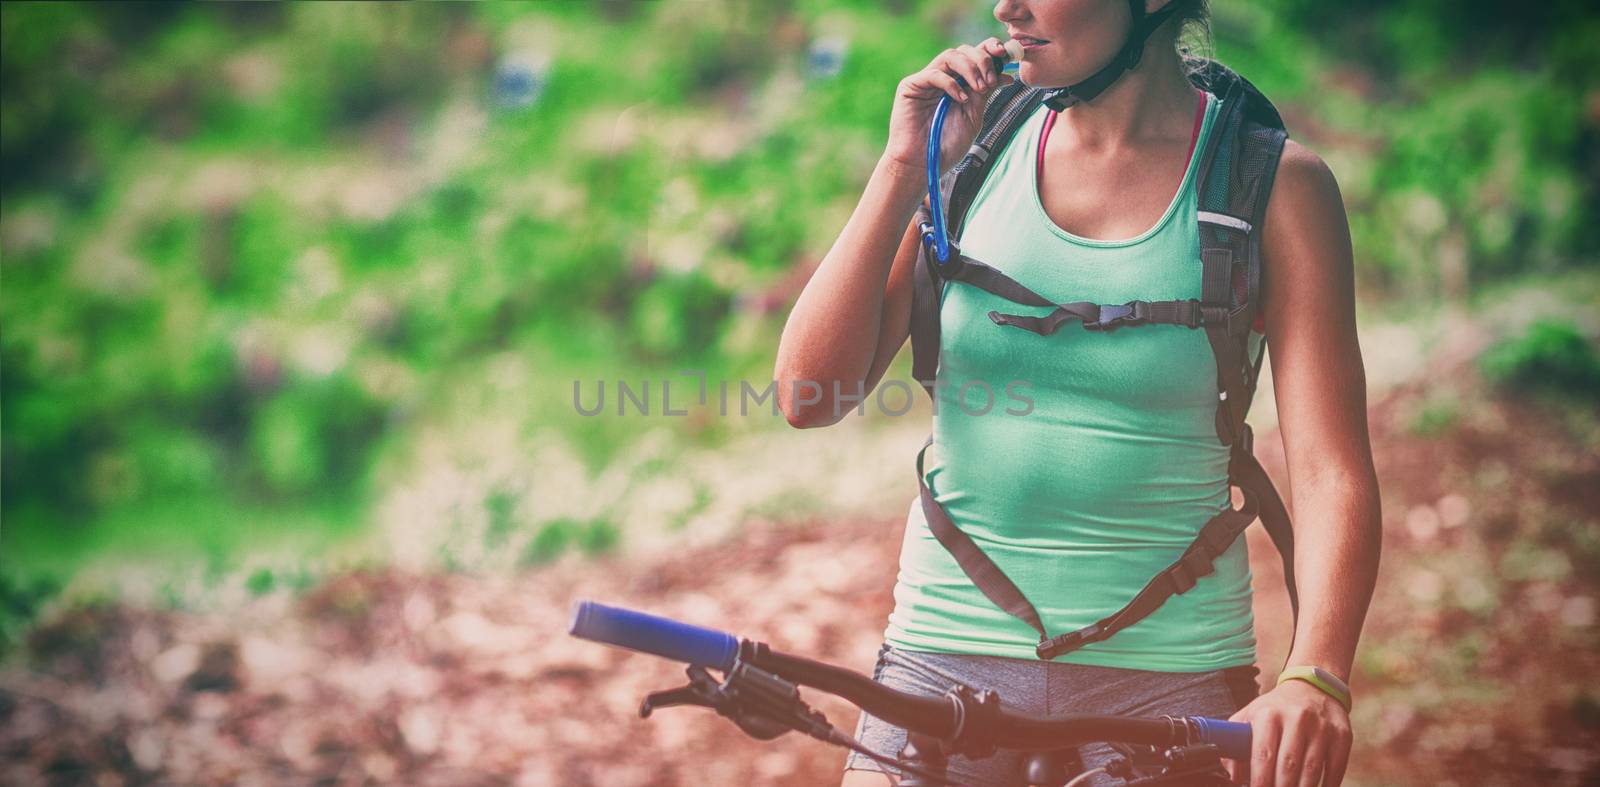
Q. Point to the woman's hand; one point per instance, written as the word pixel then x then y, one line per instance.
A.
pixel 918 95
pixel 1300 737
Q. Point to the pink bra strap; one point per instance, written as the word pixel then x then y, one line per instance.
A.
pixel 1050 122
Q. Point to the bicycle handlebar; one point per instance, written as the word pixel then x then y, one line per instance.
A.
pixel 935 716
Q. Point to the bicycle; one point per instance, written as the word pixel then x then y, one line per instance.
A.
pixel 760 692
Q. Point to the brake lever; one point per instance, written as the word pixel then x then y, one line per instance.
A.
pixel 763 705
pixel 684 695
pixel 1195 765
pixel 702 690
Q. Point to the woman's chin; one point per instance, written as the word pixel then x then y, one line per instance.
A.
pixel 1039 75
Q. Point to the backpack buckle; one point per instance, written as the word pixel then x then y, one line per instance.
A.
pixel 1220 315
pixel 1065 643
pixel 1113 316
pixel 1062 99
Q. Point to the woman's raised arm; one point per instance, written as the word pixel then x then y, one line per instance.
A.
pixel 853 315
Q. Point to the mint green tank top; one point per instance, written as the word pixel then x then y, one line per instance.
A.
pixel 1110 476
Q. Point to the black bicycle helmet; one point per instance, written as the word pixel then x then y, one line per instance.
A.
pixel 1126 58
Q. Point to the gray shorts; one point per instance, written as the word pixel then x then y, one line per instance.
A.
pixel 1046 688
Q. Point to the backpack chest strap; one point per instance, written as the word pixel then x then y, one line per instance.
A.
pixel 1107 317
pixel 1093 316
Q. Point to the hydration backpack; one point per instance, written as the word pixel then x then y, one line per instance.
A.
pixel 1236 173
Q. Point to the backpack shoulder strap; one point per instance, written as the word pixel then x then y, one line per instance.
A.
pixel 1007 110
pixel 1236 178
pixel 1008 107
pixel 1237 171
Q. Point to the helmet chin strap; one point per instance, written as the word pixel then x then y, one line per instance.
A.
pixel 1126 59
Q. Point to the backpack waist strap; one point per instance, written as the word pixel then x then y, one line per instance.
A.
pixel 1215 537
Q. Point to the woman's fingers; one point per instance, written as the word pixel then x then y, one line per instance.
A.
pixel 1265 731
pixel 1238 770
pixel 1312 739
pixel 977 67
pixel 990 49
pixel 948 84
pixel 931 83
pixel 918 93
pixel 1338 753
pixel 974 65
pixel 954 64
pixel 993 47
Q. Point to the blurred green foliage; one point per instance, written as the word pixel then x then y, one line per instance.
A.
pixel 557 537
pixel 1435 416
pixel 250 250
pixel 20 605
pixel 1550 356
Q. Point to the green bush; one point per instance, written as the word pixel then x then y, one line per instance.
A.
pixel 315 436
pixel 679 317
pixel 1549 356
pixel 260 582
pixel 20 604
pixel 1435 416
pixel 592 537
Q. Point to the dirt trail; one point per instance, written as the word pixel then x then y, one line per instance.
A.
pixel 1473 670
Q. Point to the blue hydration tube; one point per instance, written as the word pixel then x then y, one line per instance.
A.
pixel 941 244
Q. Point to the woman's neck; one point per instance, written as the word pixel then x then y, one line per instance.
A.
pixel 1153 101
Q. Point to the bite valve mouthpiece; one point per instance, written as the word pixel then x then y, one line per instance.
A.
pixel 1011 62
pixel 1013 51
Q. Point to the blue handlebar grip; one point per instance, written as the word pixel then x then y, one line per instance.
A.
pixel 1232 738
pixel 657 636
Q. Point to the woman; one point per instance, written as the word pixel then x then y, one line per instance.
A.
pixel 1117 463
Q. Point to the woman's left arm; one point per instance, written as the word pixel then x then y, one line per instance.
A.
pixel 1301 735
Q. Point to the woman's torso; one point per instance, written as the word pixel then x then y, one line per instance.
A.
pixel 1109 477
